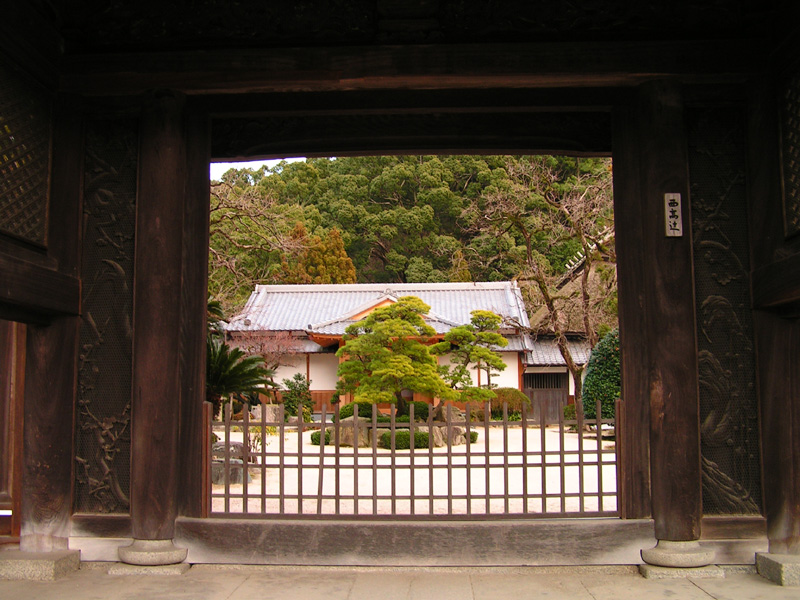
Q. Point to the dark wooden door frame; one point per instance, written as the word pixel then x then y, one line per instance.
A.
pixel 348 124
pixel 12 376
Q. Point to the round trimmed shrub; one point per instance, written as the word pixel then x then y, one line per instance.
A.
pixel 515 399
pixel 602 377
pixel 364 410
pixel 315 437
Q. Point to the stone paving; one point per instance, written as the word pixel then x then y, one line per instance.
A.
pixel 211 582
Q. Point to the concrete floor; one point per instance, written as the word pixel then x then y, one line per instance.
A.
pixel 207 582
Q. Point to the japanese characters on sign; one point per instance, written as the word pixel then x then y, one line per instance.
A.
pixel 673 218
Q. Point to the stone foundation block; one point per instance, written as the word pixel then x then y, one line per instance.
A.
pixel 783 569
pixel 38 566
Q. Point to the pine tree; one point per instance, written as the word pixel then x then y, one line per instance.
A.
pixel 387 353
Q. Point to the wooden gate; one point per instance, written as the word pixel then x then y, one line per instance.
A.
pixel 550 401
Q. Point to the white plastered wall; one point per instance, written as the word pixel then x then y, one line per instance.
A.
pixel 293 364
pixel 323 371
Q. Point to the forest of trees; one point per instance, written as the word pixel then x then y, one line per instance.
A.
pixel 402 219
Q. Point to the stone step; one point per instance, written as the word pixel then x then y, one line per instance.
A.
pixel 38 566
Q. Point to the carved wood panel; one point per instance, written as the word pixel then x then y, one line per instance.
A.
pixel 790 146
pixel 726 362
pixel 102 469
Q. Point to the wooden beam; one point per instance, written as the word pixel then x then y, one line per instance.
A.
pixel 410 102
pixel 28 36
pixel 30 288
pixel 450 66
pixel 157 318
pixel 579 133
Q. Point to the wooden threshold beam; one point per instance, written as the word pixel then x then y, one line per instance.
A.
pixel 452 66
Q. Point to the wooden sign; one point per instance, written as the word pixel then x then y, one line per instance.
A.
pixel 672 212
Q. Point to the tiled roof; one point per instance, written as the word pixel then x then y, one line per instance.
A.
pixel 300 307
pixel 545 353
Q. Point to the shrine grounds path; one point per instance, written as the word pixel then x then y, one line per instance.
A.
pixel 208 582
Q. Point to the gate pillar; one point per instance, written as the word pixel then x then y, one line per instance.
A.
pixel 653 219
pixel 157 314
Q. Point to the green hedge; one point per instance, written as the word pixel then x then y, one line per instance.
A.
pixel 402 439
pixel 602 377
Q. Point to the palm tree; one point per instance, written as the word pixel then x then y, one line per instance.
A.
pixel 215 317
pixel 229 370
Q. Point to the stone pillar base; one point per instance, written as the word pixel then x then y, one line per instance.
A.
pixel 152 553
pixel 783 569
pixel 678 554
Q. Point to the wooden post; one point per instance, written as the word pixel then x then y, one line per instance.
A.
pixel 779 355
pixel 157 319
pixel 51 358
pixel 12 379
pixel 634 407
pixel 194 293
pixel 662 274
pixel 776 292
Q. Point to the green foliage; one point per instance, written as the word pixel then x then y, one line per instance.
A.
pixel 386 353
pixel 230 370
pixel 364 410
pixel 316 435
pixel 515 399
pixel 319 259
pixel 472 346
pixel 570 412
pixel 402 439
pixel 297 394
pixel 602 381
pixel 421 410
pixel 392 218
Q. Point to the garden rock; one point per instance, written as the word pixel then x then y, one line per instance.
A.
pixel 346 432
pixel 271 412
pixel 236 472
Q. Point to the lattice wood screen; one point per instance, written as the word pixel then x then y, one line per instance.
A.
pixel 790 130
pixel 24 158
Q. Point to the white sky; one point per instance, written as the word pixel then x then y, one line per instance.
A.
pixel 216 170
